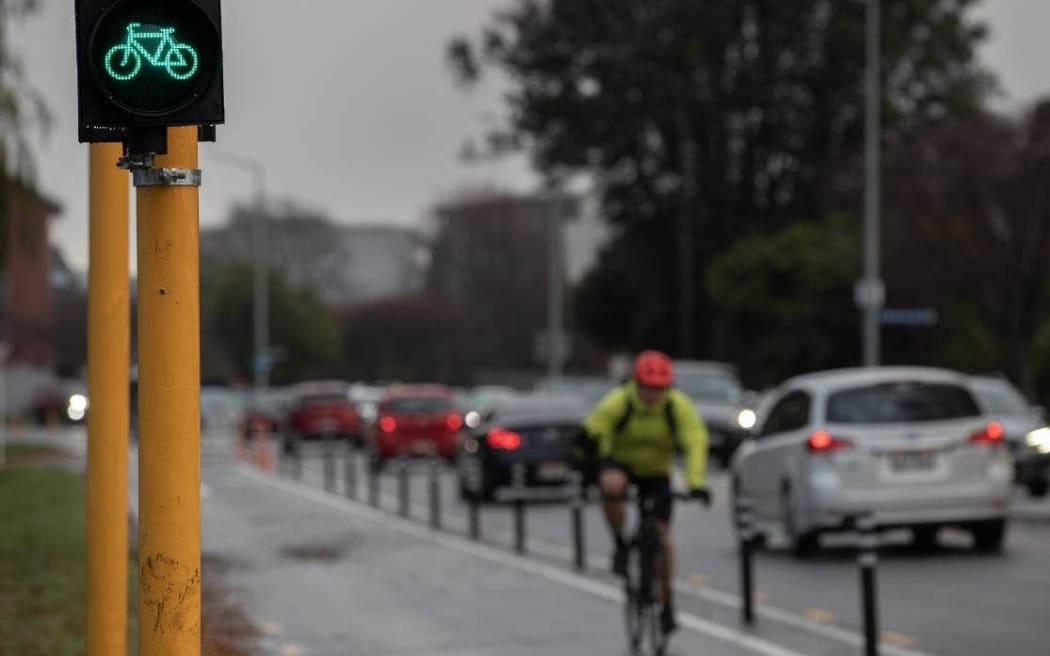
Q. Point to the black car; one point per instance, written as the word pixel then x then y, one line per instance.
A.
pixel 534 434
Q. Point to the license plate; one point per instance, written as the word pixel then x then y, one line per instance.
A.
pixel 327 425
pixel 909 461
pixel 423 448
pixel 552 471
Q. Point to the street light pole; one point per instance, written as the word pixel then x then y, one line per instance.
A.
pixel 260 270
pixel 873 297
pixel 556 343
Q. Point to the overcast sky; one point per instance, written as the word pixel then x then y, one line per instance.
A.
pixel 350 108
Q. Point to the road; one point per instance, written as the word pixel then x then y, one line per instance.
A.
pixel 949 601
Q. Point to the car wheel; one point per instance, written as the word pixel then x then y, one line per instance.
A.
pixel 988 536
pixel 800 544
pixel 1038 487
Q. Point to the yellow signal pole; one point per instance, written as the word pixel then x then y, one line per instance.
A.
pixel 107 421
pixel 169 408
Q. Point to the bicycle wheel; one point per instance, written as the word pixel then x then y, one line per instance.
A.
pixel 125 67
pixel 181 62
pixel 634 606
pixel 657 637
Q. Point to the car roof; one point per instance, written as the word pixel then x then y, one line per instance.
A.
pixel 854 376
pixel 538 406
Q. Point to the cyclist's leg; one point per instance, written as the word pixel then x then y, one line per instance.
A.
pixel 613 481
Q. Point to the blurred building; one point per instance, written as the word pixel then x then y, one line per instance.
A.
pixel 27 296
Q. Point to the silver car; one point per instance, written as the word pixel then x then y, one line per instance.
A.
pixel 908 444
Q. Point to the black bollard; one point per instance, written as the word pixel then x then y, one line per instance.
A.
pixel 473 470
pixel 328 455
pixel 350 472
pixel 297 451
pixel 745 524
pixel 372 471
pixel 578 545
pixel 402 486
pixel 867 561
pixel 435 494
pixel 518 485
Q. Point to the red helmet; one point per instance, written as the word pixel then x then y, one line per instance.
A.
pixel 653 369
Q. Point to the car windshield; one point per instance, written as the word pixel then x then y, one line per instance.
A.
pixel 896 402
pixel 418 405
pixel 1002 400
pixel 709 386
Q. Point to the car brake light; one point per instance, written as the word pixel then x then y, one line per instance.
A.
pixel 822 441
pixel 454 422
pixel 990 434
pixel 499 438
pixel 388 424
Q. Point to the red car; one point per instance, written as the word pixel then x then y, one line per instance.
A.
pixel 416 420
pixel 324 408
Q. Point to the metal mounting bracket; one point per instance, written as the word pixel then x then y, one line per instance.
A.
pixel 143 174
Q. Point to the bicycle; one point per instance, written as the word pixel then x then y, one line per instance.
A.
pixel 179 60
pixel 641 585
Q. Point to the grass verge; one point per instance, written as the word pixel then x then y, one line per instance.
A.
pixel 41 561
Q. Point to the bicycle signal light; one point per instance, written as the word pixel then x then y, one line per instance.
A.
pixel 143 63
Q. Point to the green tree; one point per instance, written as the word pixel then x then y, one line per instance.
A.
pixel 302 328
pixel 965 231
pixel 784 302
pixel 703 122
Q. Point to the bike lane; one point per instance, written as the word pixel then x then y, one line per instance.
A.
pixel 324 576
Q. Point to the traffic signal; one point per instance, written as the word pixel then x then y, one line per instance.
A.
pixel 147 63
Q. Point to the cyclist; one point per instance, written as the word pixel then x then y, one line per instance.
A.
pixel 637 427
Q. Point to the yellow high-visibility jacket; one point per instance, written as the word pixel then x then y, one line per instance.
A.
pixel 647 442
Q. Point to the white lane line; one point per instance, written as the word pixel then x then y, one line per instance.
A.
pixel 581 583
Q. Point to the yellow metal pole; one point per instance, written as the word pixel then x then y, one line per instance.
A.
pixel 107 421
pixel 169 409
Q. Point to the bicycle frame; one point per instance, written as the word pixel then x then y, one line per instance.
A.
pixel 164 36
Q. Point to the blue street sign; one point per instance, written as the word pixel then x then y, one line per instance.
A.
pixel 925 316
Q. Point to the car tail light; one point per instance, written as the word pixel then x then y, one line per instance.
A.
pixel 822 441
pixel 990 434
pixel 388 424
pixel 454 422
pixel 499 438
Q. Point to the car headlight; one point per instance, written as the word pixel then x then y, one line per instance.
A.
pixel 77 407
pixel 746 418
pixel 1039 439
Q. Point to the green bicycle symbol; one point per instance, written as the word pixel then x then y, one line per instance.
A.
pixel 124 60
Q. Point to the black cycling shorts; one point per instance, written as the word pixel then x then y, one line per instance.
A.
pixel 648 486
